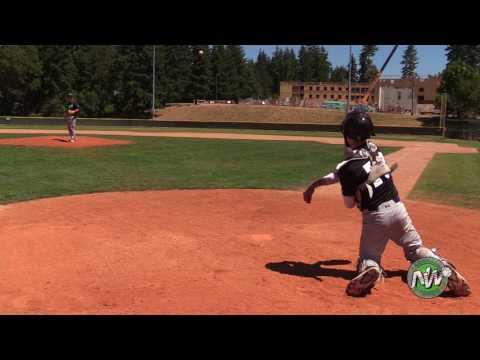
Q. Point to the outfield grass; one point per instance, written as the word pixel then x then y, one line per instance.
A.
pixel 451 179
pixel 167 163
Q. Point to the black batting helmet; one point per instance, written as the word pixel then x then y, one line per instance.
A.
pixel 357 125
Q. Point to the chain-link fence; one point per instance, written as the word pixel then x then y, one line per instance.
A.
pixel 469 131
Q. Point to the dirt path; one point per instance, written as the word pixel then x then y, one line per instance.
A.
pixel 220 251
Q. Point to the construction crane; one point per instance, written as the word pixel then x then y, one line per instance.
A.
pixel 363 103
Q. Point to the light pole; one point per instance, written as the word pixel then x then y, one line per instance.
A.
pixel 153 84
pixel 349 79
pixel 199 60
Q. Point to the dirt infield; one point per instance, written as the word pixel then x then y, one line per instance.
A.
pixel 213 252
pixel 62 142
pixel 221 251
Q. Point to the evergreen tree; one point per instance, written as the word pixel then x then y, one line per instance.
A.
pixel 201 76
pixel 290 64
pixel 321 65
pixel 468 54
pixel 409 62
pixel 306 64
pixel 339 74
pixel 235 69
pixel 250 87
pixel 355 76
pixel 178 66
pixel 263 75
pixel 219 63
pixel 367 69
pixel 276 69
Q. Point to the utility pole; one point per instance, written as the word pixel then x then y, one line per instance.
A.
pixel 349 79
pixel 443 113
pixel 413 95
pixel 153 84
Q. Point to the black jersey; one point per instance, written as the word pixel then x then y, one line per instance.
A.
pixel 72 106
pixel 355 172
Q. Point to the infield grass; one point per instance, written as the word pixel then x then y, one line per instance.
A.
pixel 162 163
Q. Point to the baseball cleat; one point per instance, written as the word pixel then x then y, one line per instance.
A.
pixel 362 284
pixel 457 284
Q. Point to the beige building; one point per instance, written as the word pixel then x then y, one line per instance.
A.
pixel 321 91
pixel 315 93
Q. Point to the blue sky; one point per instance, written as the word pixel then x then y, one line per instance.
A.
pixel 431 58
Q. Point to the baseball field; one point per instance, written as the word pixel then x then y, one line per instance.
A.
pixel 202 222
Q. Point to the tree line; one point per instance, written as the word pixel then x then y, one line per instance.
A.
pixel 461 80
pixel 117 79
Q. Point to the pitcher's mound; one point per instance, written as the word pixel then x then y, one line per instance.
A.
pixel 62 142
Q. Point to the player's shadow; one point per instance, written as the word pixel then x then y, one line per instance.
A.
pixel 319 269
pixel 60 140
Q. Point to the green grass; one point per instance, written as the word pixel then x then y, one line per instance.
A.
pixel 451 179
pixel 162 163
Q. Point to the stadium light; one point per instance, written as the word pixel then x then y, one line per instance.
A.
pixel 153 84
pixel 349 78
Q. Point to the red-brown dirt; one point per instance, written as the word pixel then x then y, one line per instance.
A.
pixel 62 142
pixel 213 252
pixel 221 251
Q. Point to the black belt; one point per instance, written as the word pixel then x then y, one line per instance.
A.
pixel 375 208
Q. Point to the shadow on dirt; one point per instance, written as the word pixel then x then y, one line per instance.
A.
pixel 317 270
pixel 61 140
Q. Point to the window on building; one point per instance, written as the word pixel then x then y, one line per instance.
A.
pixel 332 97
pixel 399 95
pixel 318 96
pixel 372 97
pixel 301 87
pixel 339 89
pixel 421 90
pixel 325 88
pixel 332 88
pixel 318 88
pixel 301 96
pixel 311 88
pixel 421 99
pixel 339 96
pixel 324 96
pixel 310 96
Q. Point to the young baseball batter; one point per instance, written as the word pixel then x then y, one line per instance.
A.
pixel 367 182
pixel 71 113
